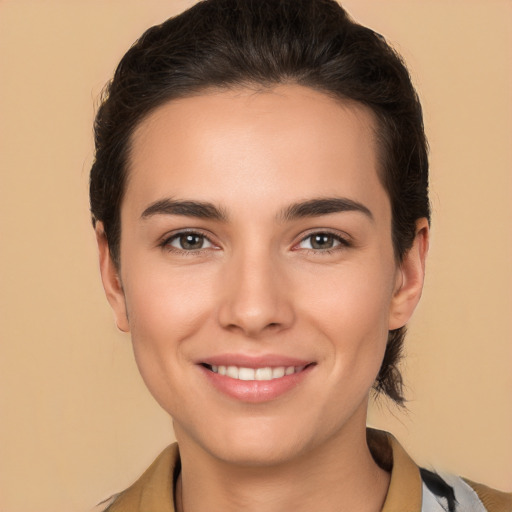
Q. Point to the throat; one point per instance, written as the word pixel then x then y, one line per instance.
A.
pixel 305 487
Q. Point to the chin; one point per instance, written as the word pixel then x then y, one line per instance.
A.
pixel 258 443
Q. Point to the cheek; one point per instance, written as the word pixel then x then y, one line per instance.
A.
pixel 166 307
pixel 166 302
pixel 353 297
pixel 351 308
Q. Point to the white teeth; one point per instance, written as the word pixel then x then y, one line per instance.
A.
pixel 278 372
pixel 246 374
pixel 232 371
pixel 266 373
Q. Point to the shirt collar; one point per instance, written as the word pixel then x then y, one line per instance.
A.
pixel 405 487
pixel 155 488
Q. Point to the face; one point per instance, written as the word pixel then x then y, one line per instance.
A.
pixel 257 276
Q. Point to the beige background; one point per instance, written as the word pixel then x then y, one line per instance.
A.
pixel 76 421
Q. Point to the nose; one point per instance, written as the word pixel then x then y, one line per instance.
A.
pixel 255 296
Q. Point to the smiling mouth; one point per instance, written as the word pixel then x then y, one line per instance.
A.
pixel 256 374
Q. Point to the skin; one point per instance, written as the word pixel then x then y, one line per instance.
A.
pixel 259 286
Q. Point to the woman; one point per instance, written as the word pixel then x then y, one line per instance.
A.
pixel 260 200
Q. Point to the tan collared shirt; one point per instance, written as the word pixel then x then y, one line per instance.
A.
pixel 408 491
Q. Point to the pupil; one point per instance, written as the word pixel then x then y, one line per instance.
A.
pixel 191 241
pixel 322 241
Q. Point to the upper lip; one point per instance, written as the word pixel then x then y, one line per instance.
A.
pixel 251 361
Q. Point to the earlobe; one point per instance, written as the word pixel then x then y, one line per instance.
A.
pixel 111 280
pixel 410 278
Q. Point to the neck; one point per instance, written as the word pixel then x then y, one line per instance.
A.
pixel 339 475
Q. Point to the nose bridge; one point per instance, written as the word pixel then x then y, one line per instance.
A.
pixel 254 298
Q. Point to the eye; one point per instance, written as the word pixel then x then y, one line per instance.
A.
pixel 188 241
pixel 322 242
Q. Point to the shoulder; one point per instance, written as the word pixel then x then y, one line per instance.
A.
pixel 450 493
pixel 495 501
pixel 416 489
pixel 153 491
pixel 104 505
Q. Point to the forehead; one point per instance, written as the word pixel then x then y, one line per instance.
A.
pixel 235 145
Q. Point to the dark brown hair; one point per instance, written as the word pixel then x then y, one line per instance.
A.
pixel 225 44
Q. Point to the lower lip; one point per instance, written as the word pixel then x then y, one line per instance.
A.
pixel 255 391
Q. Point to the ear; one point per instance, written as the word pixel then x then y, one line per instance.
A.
pixel 111 280
pixel 410 277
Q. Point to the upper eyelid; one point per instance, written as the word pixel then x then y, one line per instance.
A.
pixel 185 231
pixel 344 237
pixel 165 240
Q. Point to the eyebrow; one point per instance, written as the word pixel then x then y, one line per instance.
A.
pixel 323 206
pixel 199 209
pixel 205 210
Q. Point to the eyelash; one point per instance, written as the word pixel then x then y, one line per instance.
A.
pixel 166 243
pixel 342 243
